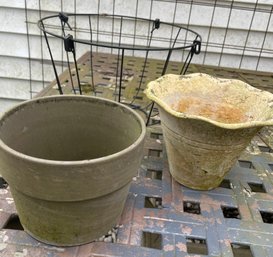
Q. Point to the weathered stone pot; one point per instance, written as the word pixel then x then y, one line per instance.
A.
pixel 69 161
pixel 207 122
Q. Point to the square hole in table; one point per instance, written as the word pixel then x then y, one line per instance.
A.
pixel 267 217
pixel 153 202
pixel 231 212
pixel 3 183
pixel 246 164
pixel 151 240
pixel 155 153
pixel 13 223
pixel 156 135
pixel 257 188
pixel 265 149
pixel 196 246
pixel 225 184
pixel 192 207
pixel 154 174
pixel 241 250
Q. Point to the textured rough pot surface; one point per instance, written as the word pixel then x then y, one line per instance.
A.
pixel 60 150
pixel 70 223
pixel 207 122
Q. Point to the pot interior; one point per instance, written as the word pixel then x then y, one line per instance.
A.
pixel 70 128
pixel 222 100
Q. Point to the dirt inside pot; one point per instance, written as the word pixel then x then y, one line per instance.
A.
pixel 209 108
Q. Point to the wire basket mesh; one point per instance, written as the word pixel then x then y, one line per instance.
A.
pixel 115 56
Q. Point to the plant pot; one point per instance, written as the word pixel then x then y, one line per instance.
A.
pixel 69 161
pixel 207 122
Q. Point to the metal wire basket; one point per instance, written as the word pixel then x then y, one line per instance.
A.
pixel 118 55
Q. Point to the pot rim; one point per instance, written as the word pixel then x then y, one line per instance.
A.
pixel 250 124
pixel 109 157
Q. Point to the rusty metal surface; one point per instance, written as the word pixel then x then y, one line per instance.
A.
pixel 163 218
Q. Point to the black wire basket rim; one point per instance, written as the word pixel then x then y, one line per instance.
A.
pixel 196 42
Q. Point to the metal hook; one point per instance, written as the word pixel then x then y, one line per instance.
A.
pixel 196 48
pixel 64 19
pixel 156 25
pixel 69 43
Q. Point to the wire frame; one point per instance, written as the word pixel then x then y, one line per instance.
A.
pixel 118 36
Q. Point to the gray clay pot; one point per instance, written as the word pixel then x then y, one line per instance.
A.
pixel 69 161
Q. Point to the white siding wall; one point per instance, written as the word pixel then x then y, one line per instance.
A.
pixel 25 67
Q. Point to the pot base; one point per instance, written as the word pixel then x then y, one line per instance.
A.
pixel 201 187
pixel 69 223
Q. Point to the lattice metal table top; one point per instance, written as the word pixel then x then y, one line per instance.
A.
pixel 163 218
